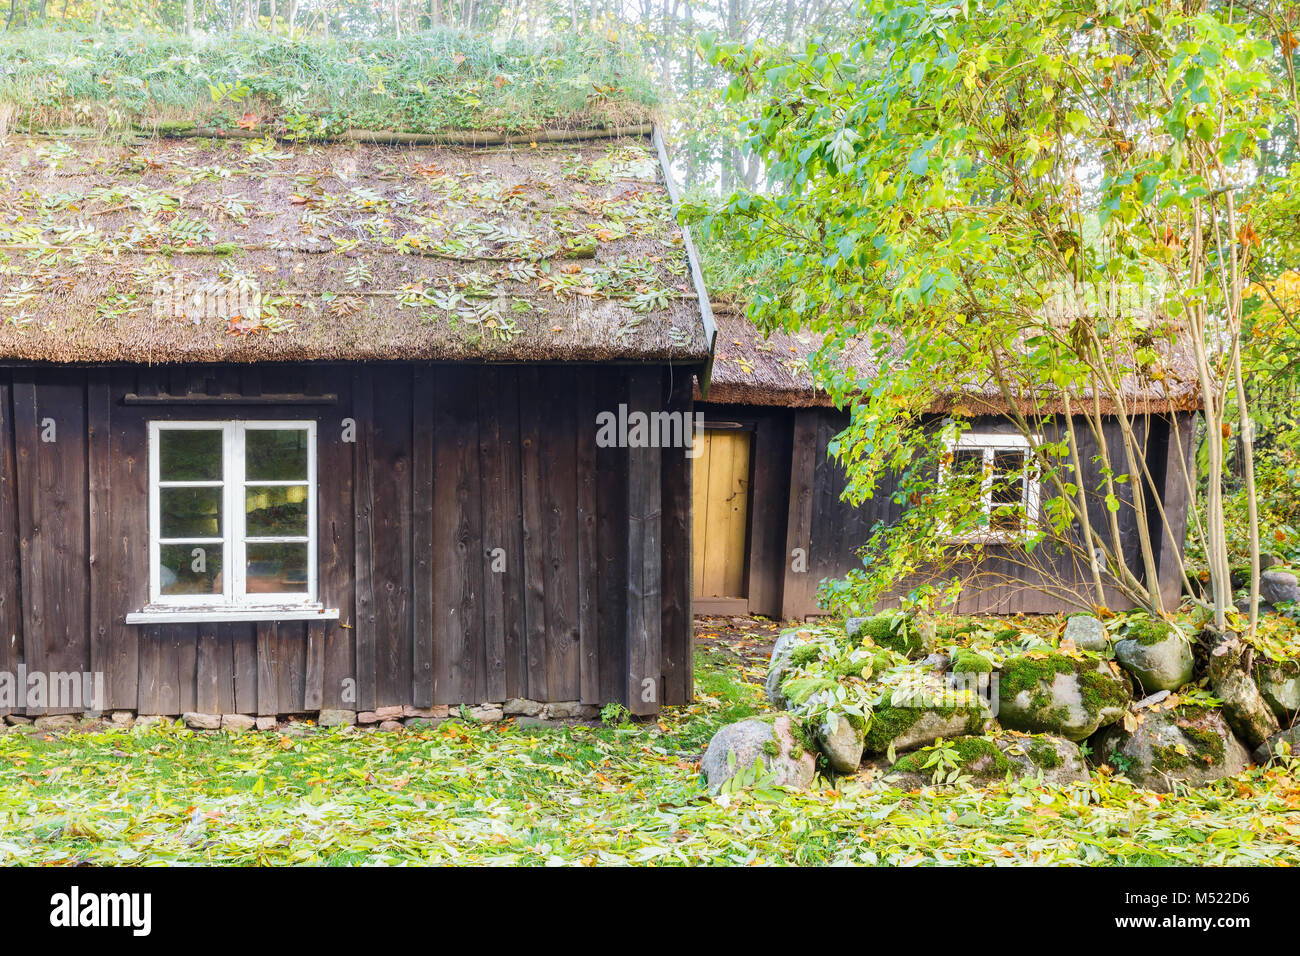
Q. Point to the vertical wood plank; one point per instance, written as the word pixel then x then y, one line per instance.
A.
pixel 185 641
pixel 676 629
pixel 423 597
pixel 31 542
pixel 268 669
pixel 587 570
pixel 390 521
pixel 769 512
pixel 100 466
pixel 644 610
pixel 558 477
pixel 502 523
pixel 128 545
pixel 458 540
pixel 612 545
pixel 336 550
pixel 11 603
pixel 364 536
pixel 150 695
pixel 797 598
pixel 242 639
pixel 530 441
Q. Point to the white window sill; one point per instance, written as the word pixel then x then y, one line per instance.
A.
pixel 177 614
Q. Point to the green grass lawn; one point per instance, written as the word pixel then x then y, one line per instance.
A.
pixel 463 793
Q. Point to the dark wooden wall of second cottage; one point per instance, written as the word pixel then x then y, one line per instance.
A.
pixel 448 464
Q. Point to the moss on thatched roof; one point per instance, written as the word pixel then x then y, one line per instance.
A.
pixel 427 82
pixel 152 250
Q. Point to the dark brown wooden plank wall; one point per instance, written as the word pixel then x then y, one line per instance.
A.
pixel 472 535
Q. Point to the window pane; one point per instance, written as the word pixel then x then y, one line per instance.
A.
pixel 1008 490
pixel 968 462
pixel 275 454
pixel 189 454
pixel 277 569
pixel 190 568
pixel 276 511
pixel 189 512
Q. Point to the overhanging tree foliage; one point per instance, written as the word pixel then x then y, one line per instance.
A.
pixel 961 168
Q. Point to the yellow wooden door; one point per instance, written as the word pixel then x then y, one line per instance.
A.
pixel 720 486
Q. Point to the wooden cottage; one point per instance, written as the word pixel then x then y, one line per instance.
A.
pixel 770 522
pixel 290 427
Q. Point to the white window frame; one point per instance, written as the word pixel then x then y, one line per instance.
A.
pixel 1031 490
pixel 233 603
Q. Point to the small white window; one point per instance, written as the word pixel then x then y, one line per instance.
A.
pixel 1009 483
pixel 232 514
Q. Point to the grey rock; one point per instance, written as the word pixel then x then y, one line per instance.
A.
pixel 746 742
pixel 521 707
pixel 1279 682
pixel 122 719
pixel 237 723
pixel 202 721
pixel 843 748
pixel 147 721
pixel 379 715
pixel 267 723
pixel 1086 632
pixel 937 663
pixel 1278 587
pixel 1265 751
pixel 56 722
pixel 17 720
pixel 389 726
pixel 1065 697
pixel 1164 665
pixel 1244 707
pixel 779 664
pixel 565 710
pixel 1191 745
pixel 427 713
pixel 336 718
pixel 486 713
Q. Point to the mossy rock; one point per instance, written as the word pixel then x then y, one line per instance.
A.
pixel 1189 745
pixel 1060 695
pixel 912 724
pixel 894 630
pixel 967 661
pixel 1156 654
pixel 987 760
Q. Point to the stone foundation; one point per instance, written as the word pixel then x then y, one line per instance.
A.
pixel 386 719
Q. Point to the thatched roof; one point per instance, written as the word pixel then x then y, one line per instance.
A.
pixel 750 368
pixel 198 250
